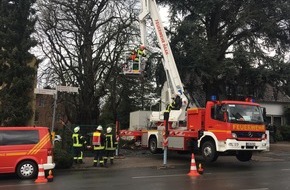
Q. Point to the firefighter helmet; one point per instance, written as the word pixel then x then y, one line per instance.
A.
pixel 99 128
pixel 109 129
pixel 76 129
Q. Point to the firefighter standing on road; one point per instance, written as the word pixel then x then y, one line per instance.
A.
pixel 98 146
pixel 78 142
pixel 109 147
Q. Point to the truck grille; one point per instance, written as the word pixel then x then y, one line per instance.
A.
pixel 249 134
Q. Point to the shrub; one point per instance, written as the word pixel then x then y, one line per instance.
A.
pixel 285 132
pixel 62 158
pixel 278 136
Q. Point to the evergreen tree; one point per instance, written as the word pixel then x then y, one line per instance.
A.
pixel 17 65
pixel 222 46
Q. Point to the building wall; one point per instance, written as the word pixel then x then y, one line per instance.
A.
pixel 273 109
pixel 44 112
pixel 275 113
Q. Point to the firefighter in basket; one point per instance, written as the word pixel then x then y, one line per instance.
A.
pixel 135 60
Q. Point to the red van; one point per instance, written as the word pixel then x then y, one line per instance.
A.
pixel 23 148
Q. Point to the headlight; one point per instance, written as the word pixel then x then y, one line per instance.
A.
pixel 234 135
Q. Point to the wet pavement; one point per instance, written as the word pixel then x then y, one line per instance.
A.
pixel 133 158
pixel 139 169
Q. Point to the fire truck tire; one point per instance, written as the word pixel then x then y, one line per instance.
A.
pixel 244 156
pixel 153 145
pixel 27 170
pixel 209 152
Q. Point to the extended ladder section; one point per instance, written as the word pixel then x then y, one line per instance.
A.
pixel 175 86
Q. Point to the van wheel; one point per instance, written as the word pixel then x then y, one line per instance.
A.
pixel 27 170
pixel 209 152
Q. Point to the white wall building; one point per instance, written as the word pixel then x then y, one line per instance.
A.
pixel 275 103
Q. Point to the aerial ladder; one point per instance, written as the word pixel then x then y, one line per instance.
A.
pixel 173 86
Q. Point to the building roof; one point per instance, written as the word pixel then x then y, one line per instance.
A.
pixel 272 94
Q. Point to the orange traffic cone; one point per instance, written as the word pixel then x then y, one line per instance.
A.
pixel 50 176
pixel 200 169
pixel 193 171
pixel 41 175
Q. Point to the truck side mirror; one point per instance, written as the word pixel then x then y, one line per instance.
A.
pixel 264 114
pixel 214 114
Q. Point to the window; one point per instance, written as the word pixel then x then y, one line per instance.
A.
pixel 237 113
pixel 41 102
pixel 277 121
pixel 218 112
pixel 268 119
pixel 20 137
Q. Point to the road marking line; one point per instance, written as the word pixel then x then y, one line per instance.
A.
pixel 285 169
pixel 157 176
pixel 257 189
pixel 19 185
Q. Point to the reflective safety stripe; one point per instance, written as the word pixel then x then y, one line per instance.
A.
pixel 76 140
pixel 99 147
pixel 110 142
pixel 81 156
pixel 40 145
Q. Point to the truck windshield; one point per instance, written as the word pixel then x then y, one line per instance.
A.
pixel 244 113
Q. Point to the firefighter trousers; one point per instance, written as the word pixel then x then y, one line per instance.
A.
pixel 109 155
pixel 98 157
pixel 78 155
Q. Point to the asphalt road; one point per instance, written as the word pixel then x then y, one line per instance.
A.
pixel 139 170
pixel 143 158
pixel 228 174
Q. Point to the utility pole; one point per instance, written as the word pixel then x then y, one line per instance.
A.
pixel 165 137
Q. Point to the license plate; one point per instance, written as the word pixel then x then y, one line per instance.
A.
pixel 250 144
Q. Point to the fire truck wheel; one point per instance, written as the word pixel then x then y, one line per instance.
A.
pixel 27 170
pixel 244 156
pixel 153 145
pixel 209 152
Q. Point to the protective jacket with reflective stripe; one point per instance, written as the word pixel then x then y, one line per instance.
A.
pixel 110 142
pixel 77 140
pixel 98 140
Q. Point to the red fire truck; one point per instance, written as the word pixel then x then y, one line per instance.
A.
pixel 222 127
